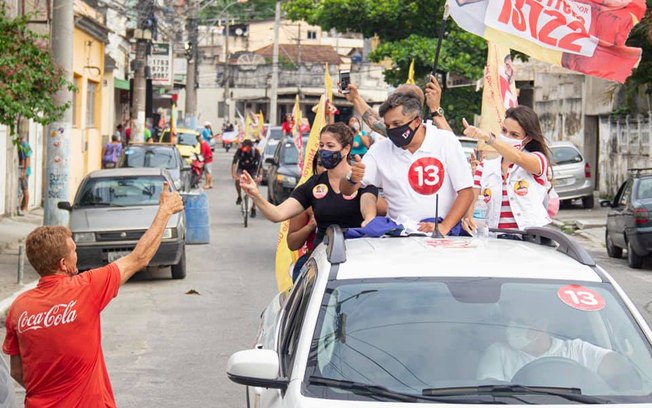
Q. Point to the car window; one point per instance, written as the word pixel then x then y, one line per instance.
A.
pixel 276 133
pixel 120 191
pixel 468 144
pixel 294 315
pixel 565 155
pixel 644 189
pixel 413 334
pixel 624 197
pixel 290 154
pixel 270 147
pixel 188 139
pixel 164 158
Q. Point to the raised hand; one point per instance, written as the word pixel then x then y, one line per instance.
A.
pixel 433 94
pixel 357 169
pixel 170 201
pixel 248 184
pixel 474 132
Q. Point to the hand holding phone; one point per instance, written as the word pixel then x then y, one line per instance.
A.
pixel 345 80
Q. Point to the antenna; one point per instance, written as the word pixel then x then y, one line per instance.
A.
pixel 436 233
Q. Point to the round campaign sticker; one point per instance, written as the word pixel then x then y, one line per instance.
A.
pixel 426 175
pixel 320 191
pixel 521 188
pixel 581 298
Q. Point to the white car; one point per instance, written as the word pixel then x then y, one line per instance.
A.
pixel 390 321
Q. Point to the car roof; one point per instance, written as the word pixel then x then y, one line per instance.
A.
pixel 460 257
pixel 562 143
pixel 183 130
pixel 127 172
pixel 151 145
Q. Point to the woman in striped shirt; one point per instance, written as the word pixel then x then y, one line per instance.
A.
pixel 515 185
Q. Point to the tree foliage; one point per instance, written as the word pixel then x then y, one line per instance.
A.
pixel 408 29
pixel 641 36
pixel 29 77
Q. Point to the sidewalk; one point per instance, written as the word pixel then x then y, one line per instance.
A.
pixel 587 224
pixel 13 232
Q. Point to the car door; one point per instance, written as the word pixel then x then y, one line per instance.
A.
pixel 616 217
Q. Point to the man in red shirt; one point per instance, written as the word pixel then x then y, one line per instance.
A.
pixel 287 126
pixel 205 150
pixel 53 331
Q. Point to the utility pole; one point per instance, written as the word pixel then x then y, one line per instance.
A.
pixel 191 73
pixel 274 97
pixel 299 59
pixel 140 82
pixel 225 92
pixel 57 167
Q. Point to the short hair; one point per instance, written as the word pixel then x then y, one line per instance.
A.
pixel 45 246
pixel 412 88
pixel 114 138
pixel 408 101
pixel 342 132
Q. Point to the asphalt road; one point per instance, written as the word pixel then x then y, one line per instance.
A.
pixel 166 347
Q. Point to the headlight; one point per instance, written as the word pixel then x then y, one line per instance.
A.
pixel 287 180
pixel 169 233
pixel 83 237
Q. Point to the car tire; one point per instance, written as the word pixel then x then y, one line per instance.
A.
pixel 588 202
pixel 612 250
pixel 179 270
pixel 633 259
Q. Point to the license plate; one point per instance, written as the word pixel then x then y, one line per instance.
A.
pixel 115 255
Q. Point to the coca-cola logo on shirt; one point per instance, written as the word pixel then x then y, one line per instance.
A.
pixel 57 315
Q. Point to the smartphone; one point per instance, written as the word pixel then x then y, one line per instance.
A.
pixel 478 155
pixel 345 80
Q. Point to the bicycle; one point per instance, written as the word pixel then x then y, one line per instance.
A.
pixel 244 209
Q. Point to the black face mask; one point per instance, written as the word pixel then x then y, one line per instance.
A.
pixel 329 159
pixel 402 135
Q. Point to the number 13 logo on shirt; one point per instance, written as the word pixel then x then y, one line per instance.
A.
pixel 426 175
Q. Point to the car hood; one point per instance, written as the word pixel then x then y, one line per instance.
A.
pixel 187 150
pixel 290 170
pixel 115 218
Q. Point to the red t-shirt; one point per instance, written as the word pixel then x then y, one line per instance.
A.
pixel 55 328
pixel 206 151
pixel 286 127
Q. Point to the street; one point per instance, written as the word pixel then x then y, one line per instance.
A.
pixel 166 342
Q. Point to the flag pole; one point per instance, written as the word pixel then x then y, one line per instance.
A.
pixel 440 39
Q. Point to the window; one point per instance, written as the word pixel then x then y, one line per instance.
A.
pixel 220 109
pixel 120 192
pixel 312 35
pixel 91 93
pixel 565 155
pixel 624 198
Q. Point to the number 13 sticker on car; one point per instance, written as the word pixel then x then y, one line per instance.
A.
pixel 426 175
pixel 581 298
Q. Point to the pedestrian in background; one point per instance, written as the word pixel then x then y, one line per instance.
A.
pixel 53 332
pixel 205 150
pixel 111 153
pixel 361 141
pixel 25 168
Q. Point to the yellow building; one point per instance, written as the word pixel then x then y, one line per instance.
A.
pixel 89 39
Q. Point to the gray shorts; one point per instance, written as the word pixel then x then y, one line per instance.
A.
pixel 208 167
pixel 24 185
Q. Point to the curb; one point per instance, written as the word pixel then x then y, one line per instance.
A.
pixel 6 302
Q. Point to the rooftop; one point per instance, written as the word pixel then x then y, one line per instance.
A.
pixel 126 172
pixel 310 54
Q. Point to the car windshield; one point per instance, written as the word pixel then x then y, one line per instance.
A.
pixel 290 154
pixel 270 147
pixel 413 335
pixel 644 189
pixel 121 191
pixel 275 133
pixel 565 155
pixel 159 157
pixel 188 139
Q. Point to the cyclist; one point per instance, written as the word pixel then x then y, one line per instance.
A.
pixel 248 158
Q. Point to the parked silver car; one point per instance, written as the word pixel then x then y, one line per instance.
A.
pixel 113 208
pixel 573 177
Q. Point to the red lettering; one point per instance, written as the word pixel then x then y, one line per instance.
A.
pixel 506 12
pixel 535 12
pixel 550 26
pixel 567 42
pixel 518 19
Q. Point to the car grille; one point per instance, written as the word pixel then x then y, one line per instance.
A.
pixel 119 236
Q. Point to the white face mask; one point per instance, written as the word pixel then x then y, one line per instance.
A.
pixel 356 126
pixel 518 144
pixel 517 336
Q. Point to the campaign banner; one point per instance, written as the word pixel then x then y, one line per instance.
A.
pixel 581 35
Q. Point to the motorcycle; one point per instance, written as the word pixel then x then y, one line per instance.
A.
pixel 196 170
pixel 227 139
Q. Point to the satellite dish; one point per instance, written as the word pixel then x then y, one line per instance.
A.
pixel 250 60
pixel 238 31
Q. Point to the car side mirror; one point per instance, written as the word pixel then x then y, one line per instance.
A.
pixel 64 205
pixel 256 368
pixel 270 160
pixel 605 204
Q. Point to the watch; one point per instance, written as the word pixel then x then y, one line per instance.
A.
pixel 348 177
pixel 437 112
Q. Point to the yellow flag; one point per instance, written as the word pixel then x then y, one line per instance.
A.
pixel 499 91
pixel 249 127
pixel 328 83
pixel 285 258
pixel 410 78
pixel 261 122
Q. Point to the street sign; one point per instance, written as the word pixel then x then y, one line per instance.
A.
pixel 160 62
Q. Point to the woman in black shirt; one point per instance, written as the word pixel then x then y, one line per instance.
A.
pixel 321 191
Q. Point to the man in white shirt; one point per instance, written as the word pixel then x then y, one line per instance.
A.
pixel 528 339
pixel 413 166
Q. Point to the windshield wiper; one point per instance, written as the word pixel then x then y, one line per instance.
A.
pixel 378 391
pixel 94 203
pixel 570 394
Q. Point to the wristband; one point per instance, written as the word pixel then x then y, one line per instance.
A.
pixel 348 177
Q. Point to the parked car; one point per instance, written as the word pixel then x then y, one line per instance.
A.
pixel 186 142
pixel 268 147
pixel 159 155
pixel 283 173
pixel 628 223
pixel 111 211
pixel 384 322
pixel 572 174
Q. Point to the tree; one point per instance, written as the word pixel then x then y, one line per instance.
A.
pixel 407 30
pixel 29 77
pixel 641 78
